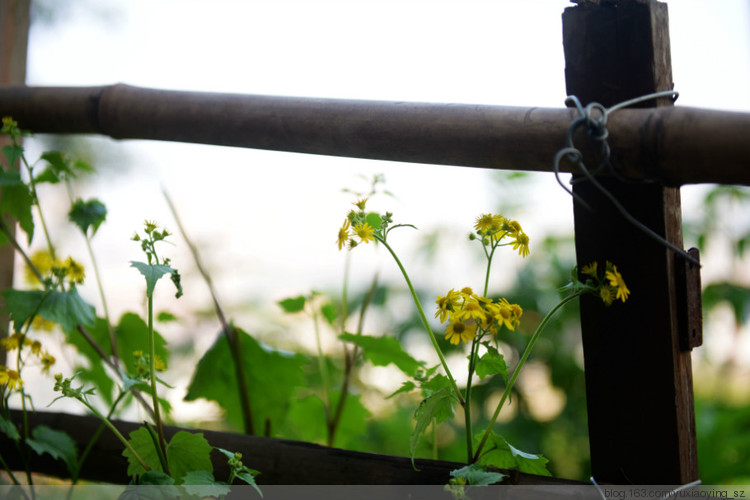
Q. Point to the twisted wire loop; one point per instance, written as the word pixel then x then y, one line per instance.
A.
pixel 593 119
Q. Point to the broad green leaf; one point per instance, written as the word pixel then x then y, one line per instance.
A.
pixel 271 378
pixel 186 452
pixel 405 387
pixel 478 475
pixel 374 220
pixel 499 453
pixel 201 483
pixel 97 375
pixel 132 335
pixel 154 486
pixel 492 363
pixel 249 478
pixel 12 154
pixel 68 309
pixel 21 304
pixel 88 214
pixel 59 167
pixel 57 443
pixel 8 428
pixel 16 201
pixel 152 273
pixel 382 351
pixel 157 478
pixel 435 384
pixel 438 406
pixel 165 317
pixel 293 304
pixel 330 312
pixel 10 178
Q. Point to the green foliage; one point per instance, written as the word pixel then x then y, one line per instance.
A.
pixel 8 428
pixel 272 377
pixel 477 475
pixel 66 308
pixel 201 483
pixel 382 351
pixel 186 452
pixel 88 214
pixel 437 407
pixel 492 363
pixel 16 201
pixel 501 454
pixel 723 432
pixel 152 273
pixel 735 295
pixel 57 443
pixel 293 305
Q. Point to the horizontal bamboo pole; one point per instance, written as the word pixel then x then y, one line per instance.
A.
pixel 670 145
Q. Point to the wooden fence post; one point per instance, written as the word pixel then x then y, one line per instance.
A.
pixel 14 23
pixel 638 380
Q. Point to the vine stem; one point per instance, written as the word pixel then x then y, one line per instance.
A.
pixel 424 320
pixel 152 363
pixel 520 365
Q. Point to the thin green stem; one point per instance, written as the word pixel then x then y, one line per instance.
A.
pixel 117 433
pixel 152 367
pixel 467 408
pixel 322 368
pixel 520 365
pixel 32 186
pixel 424 321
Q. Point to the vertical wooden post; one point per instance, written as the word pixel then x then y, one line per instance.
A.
pixel 638 380
pixel 14 23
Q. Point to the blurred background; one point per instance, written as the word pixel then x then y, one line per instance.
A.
pixel 265 222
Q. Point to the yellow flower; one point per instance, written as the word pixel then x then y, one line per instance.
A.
pixel 458 331
pixel 43 262
pixel 47 361
pixel 616 281
pixel 74 271
pixel 489 224
pixel 365 232
pixel 159 363
pixel 36 348
pixel 446 304
pixel 521 243
pixel 467 293
pixel 360 204
pixel 607 294
pixel 590 269
pixel 42 325
pixel 471 310
pixel 343 234
pixel 513 226
pixel 11 378
pixel 11 342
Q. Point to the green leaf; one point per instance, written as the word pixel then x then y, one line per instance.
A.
pixel 438 406
pixel 272 377
pixel 57 443
pixel 435 384
pixel 382 351
pixel 165 317
pixel 374 220
pixel 249 478
pixel 21 304
pixel 499 453
pixel 157 478
pixel 186 452
pixel 88 214
pixel 16 201
pixel 68 309
pixel 293 305
pixel 8 428
pixel 201 483
pixel 330 312
pixel 492 363
pixel 737 296
pixel 405 387
pixel 478 475
pixel 10 178
pixel 12 154
pixel 152 273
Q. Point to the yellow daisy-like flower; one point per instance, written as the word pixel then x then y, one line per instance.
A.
pixel 11 378
pixel 513 226
pixel 489 224
pixel 365 232
pixel 36 348
pixel 43 262
pixel 607 294
pixel 471 310
pixel 343 234
pixel 159 363
pixel 521 243
pixel 360 204
pixel 590 269
pixel 74 271
pixel 458 331
pixel 11 342
pixel 467 293
pixel 47 361
pixel 616 281
pixel 447 304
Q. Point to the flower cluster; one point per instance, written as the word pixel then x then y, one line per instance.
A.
pixel 492 228
pixel 610 287
pixel 469 315
pixel 19 341
pixel 10 378
pixel 364 226
pixel 143 364
pixel 49 271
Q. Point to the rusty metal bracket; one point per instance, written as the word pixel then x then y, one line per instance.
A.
pixel 690 306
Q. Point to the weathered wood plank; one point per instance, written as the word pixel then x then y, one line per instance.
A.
pixel 279 461
pixel 638 381
pixel 671 145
